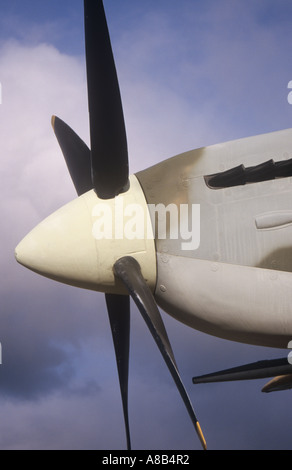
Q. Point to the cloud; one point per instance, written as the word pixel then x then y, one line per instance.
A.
pixel 215 73
pixel 39 336
pixel 36 83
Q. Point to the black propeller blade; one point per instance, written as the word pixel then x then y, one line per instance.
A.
pixel 119 315
pixel 76 154
pixel 254 370
pixel 109 153
pixel 128 270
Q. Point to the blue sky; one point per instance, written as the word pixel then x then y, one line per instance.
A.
pixel 192 73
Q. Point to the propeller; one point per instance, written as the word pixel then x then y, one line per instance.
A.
pixel 254 370
pixel 76 154
pixel 104 168
pixel 118 307
pixel 109 153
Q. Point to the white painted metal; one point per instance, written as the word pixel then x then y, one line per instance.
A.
pixel 238 283
pixel 63 247
pixel 239 303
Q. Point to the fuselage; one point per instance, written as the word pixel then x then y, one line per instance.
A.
pixel 237 284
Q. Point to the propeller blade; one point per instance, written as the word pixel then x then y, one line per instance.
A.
pixel 109 151
pixel 128 270
pixel 282 382
pixel 119 315
pixel 76 154
pixel 254 370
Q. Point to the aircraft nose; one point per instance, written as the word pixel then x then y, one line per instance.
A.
pixel 62 247
pixel 77 244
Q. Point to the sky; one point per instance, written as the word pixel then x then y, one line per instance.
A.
pixel 191 74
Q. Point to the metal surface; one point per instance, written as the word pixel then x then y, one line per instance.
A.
pixel 228 230
pixel 218 288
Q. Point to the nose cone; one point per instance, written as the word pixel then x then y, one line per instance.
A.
pixel 68 246
pixel 62 247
